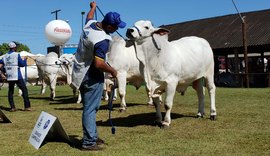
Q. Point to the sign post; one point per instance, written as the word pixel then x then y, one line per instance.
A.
pixel 3 118
pixel 47 126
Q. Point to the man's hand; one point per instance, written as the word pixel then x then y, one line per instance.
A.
pixel 93 4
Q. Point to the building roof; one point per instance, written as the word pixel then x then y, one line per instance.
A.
pixel 224 33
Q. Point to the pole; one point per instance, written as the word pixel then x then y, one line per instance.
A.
pixel 56 13
pixel 244 33
pixel 82 13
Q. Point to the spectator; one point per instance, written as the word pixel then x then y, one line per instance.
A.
pixel 12 62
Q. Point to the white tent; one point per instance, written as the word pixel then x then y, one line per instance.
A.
pixel 25 53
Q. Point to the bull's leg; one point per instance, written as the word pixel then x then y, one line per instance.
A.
pixel 52 87
pixel 20 92
pixel 43 88
pixel 150 100
pixel 158 120
pixel 115 94
pixel 105 95
pixel 79 97
pixel 212 93
pixel 121 78
pixel 198 86
pixel 170 91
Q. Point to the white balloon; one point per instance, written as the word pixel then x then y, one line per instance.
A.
pixel 58 32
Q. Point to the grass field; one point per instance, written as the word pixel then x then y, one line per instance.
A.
pixel 242 126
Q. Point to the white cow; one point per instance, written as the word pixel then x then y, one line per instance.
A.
pixel 123 59
pixel 51 68
pixel 174 66
pixel 108 82
pixel 32 75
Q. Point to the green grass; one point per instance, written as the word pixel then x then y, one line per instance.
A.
pixel 242 126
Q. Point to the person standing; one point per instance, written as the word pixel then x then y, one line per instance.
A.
pixel 12 62
pixel 89 68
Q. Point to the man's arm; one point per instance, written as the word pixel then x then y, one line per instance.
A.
pixel 101 65
pixel 91 13
pixel 21 62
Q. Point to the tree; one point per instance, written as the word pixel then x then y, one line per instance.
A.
pixel 20 47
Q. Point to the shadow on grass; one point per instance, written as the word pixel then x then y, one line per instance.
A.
pixel 70 108
pixel 102 107
pixel 5 108
pixel 137 120
pixel 39 98
pixel 69 100
pixel 117 105
pixel 73 141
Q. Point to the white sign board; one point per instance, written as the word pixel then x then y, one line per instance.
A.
pixel 45 124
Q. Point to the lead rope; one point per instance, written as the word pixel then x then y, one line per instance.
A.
pixel 110 105
pixel 110 101
pixel 103 16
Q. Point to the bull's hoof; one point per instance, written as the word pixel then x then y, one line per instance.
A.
pixel 213 117
pixel 122 110
pixel 165 125
pixel 199 116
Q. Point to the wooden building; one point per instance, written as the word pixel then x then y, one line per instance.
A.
pixel 225 36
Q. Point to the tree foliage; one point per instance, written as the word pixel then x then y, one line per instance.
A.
pixel 20 47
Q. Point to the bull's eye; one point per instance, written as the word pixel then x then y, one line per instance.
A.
pixel 146 27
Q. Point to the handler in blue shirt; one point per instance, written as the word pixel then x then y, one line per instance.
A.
pixel 12 62
pixel 88 70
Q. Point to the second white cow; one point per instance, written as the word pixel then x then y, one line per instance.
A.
pixel 123 59
pixel 51 68
pixel 174 66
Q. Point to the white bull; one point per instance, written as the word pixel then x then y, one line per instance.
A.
pixel 107 88
pixel 174 66
pixel 32 75
pixel 51 68
pixel 123 59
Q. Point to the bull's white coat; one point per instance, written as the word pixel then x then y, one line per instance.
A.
pixel 175 65
pixel 129 69
pixel 51 68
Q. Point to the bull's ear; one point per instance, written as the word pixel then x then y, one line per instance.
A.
pixel 161 31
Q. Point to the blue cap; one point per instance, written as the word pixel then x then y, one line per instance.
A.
pixel 113 18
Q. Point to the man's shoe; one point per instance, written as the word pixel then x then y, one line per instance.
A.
pixel 100 141
pixel 91 148
pixel 28 109
pixel 13 109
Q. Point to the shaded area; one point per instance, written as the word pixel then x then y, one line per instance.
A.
pixel 137 120
pixel 102 107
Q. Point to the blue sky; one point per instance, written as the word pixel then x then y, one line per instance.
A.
pixel 25 20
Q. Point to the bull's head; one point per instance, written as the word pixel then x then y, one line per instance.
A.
pixel 143 29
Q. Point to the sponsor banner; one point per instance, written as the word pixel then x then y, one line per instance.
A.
pixel 46 125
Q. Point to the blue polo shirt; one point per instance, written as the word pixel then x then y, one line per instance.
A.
pixel 21 63
pixel 100 50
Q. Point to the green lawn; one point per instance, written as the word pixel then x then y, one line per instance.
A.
pixel 242 126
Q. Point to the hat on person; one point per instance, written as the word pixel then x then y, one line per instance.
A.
pixel 113 18
pixel 12 45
